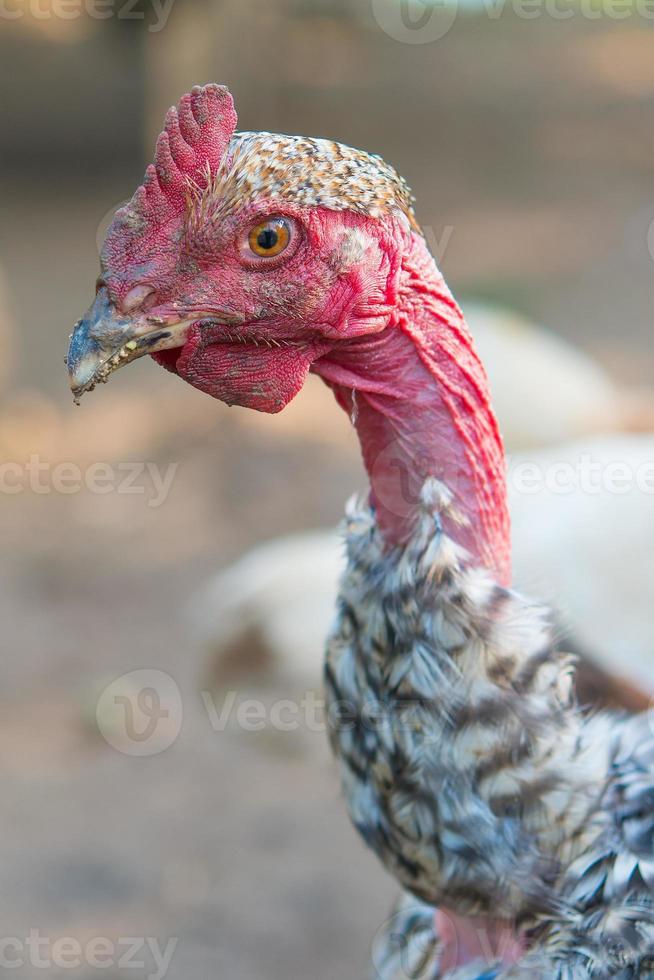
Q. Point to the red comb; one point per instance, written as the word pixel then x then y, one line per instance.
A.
pixel 193 143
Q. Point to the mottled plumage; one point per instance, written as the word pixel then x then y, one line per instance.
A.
pixel 306 171
pixel 469 770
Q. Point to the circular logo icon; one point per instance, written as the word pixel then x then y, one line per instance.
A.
pixel 406 945
pixel 650 715
pixel 104 223
pixel 399 470
pixel 140 713
pixel 650 238
pixel 415 21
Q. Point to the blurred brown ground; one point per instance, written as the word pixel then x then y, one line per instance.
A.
pixel 533 141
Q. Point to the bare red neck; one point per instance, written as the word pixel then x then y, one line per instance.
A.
pixel 419 398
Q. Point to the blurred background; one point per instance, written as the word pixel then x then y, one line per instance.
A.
pixel 528 139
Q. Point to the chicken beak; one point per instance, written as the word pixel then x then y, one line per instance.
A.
pixel 105 340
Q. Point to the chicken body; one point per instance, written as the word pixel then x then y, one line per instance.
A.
pixel 469 771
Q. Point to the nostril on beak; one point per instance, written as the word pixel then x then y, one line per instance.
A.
pixel 106 338
pixel 136 297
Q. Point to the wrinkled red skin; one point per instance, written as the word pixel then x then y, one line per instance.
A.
pixel 422 408
pixel 384 327
pixel 306 299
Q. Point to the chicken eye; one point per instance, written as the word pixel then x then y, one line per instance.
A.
pixel 270 238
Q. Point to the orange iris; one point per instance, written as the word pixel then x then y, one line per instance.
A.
pixel 270 238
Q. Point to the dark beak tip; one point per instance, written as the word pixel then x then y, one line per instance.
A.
pixel 85 353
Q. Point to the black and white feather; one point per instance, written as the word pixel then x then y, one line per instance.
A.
pixel 469 770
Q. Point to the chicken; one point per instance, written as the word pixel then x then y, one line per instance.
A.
pixel 246 261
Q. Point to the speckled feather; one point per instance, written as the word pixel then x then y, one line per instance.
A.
pixel 305 171
pixel 482 787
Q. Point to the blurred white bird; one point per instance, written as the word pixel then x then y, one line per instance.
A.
pixel 545 391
